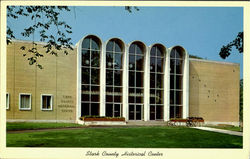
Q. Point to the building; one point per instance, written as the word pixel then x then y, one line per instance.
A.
pixel 111 78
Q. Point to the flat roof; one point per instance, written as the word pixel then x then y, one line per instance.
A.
pixel 191 59
pixel 38 42
pixel 211 61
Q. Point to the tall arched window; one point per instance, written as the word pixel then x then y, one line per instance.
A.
pixel 90 98
pixel 156 82
pixel 114 72
pixel 176 78
pixel 136 77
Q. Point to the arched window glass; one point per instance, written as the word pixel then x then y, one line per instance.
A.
pixel 114 72
pixel 176 78
pixel 90 99
pixel 136 78
pixel 156 82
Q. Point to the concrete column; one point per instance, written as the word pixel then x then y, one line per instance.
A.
pixel 146 83
pixel 186 87
pixel 125 84
pixel 78 80
pixel 167 85
pixel 102 79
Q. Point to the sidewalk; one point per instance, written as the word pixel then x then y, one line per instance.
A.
pixel 220 131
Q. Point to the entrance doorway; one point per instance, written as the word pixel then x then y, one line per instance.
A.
pixel 113 109
pixel 135 112
pixel 156 112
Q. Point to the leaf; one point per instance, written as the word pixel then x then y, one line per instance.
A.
pixel 39 66
pixel 51 18
pixel 22 47
pixel 29 9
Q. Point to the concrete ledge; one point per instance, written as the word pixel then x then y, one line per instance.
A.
pixel 101 122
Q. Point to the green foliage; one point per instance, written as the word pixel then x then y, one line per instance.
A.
pixel 195 57
pixel 126 137
pixel 45 18
pixel 129 8
pixel 237 42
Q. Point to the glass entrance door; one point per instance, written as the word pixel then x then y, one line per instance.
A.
pixel 117 110
pixel 114 109
pixel 135 112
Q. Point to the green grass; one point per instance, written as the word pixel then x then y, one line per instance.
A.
pixel 34 126
pixel 133 137
pixel 227 127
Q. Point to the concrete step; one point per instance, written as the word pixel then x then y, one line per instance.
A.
pixel 147 123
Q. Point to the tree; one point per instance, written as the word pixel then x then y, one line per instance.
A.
pixel 44 18
pixel 194 56
pixel 129 8
pixel 237 42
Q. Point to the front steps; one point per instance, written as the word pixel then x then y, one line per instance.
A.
pixel 147 123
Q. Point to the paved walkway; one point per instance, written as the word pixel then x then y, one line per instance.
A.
pixel 220 131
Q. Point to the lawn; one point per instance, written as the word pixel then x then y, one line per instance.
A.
pixel 34 126
pixel 133 137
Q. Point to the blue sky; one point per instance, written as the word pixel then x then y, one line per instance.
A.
pixel 201 30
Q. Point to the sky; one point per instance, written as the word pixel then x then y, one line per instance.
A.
pixel 202 31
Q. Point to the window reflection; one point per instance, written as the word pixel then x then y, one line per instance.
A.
pixel 90 76
pixel 139 79
pixel 109 47
pixel 160 65
pixel 176 82
pixel 94 44
pixel 85 57
pixel 85 76
pixel 118 61
pixel 118 47
pixel 86 43
pixel 118 78
pixel 131 78
pixel 114 58
pixel 109 77
pixel 160 80
pixel 138 49
pixel 179 66
pixel 156 82
pixel 132 49
pixel 95 76
pixel 131 62
pixel 109 60
pixel 136 80
pixel 178 53
pixel 95 59
pixel 139 63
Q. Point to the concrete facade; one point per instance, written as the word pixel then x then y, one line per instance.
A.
pixel 56 78
pixel 211 88
pixel 214 91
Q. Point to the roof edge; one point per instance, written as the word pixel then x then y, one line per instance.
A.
pixel 38 42
pixel 211 61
